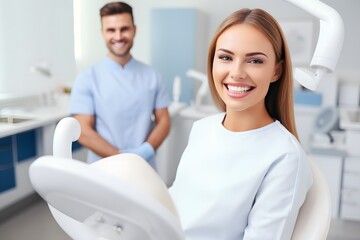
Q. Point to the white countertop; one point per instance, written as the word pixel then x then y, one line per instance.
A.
pixel 39 116
pixel 44 115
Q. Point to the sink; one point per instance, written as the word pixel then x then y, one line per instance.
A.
pixel 13 120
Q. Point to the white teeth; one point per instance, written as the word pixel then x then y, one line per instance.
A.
pixel 119 44
pixel 235 89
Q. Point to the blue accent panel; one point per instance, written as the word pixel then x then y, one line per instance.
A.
pixel 26 145
pixel 307 97
pixel 6 153
pixel 173 47
pixel 7 178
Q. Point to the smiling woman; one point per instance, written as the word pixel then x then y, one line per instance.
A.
pixel 226 176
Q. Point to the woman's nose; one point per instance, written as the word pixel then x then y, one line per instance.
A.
pixel 238 72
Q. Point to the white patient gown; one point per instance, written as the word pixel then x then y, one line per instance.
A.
pixel 240 185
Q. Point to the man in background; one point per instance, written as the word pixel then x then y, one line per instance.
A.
pixel 116 98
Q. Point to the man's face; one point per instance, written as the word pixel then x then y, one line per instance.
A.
pixel 118 32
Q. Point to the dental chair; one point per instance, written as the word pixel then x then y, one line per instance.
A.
pixel 314 217
pixel 109 199
pixel 106 200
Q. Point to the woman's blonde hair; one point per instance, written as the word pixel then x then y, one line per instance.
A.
pixel 279 99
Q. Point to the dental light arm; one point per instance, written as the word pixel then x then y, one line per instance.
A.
pixel 329 44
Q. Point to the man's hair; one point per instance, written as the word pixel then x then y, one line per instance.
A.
pixel 116 8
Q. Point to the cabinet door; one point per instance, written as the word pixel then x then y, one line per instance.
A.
pixel 7 171
pixel 350 199
pixel 6 154
pixel 26 145
pixel 331 167
pixel 7 178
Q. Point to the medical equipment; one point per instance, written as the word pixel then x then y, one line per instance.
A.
pixel 326 121
pixel 204 86
pixel 176 89
pixel 119 197
pixel 329 44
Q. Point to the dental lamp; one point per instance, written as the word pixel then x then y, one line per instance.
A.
pixel 329 44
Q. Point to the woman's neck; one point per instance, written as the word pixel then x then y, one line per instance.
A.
pixel 240 121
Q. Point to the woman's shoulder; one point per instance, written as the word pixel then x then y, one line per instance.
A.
pixel 281 133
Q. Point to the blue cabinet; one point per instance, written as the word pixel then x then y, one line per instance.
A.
pixel 15 149
pixel 26 145
pixel 7 170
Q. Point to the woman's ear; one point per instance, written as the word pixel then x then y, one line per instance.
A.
pixel 278 71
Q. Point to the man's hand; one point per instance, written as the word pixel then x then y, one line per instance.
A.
pixel 145 150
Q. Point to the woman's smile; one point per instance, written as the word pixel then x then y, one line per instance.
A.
pixel 237 91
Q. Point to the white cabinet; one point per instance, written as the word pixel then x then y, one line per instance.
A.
pixel 331 166
pixel 169 153
pixel 350 204
pixel 304 119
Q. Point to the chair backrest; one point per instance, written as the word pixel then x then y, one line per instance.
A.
pixel 119 197
pixel 314 217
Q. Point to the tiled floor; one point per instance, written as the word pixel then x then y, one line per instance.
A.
pixel 36 223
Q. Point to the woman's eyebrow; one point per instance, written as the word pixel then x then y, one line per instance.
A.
pixel 225 50
pixel 255 53
pixel 247 55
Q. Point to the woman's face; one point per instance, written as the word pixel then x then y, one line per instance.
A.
pixel 244 65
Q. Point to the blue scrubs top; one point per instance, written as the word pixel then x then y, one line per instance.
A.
pixel 122 100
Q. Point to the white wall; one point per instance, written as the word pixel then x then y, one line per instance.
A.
pixel 33 32
pixel 215 11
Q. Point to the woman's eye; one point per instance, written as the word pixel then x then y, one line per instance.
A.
pixel 224 58
pixel 255 61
